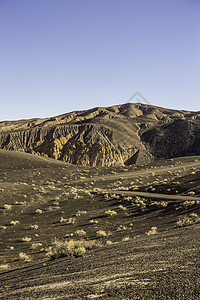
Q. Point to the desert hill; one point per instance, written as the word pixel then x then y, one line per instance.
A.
pixel 132 133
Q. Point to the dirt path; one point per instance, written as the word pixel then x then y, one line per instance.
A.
pixel 143 172
pixel 153 195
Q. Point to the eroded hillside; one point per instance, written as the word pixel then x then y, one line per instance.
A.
pixel 118 135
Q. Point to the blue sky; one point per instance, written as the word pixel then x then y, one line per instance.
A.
pixel 58 56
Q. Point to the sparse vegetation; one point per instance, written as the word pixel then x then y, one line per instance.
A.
pixel 191 193
pixel 67 221
pixel 24 257
pixel 72 247
pixel 109 243
pixel 121 227
pixel 158 204
pixel 123 223
pixel 80 232
pixel 36 245
pixel 26 239
pixel 101 233
pixel 79 251
pixel 122 207
pixel 125 239
pixel 13 222
pixel 35 226
pixel 7 206
pixel 4 267
pixel 110 213
pixel 188 219
pixel 3 227
pixel 79 213
pixel 152 231
pixel 140 203
pixel 63 220
pixel 94 221
pixel 189 203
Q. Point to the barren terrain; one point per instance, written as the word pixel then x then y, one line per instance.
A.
pixel 143 221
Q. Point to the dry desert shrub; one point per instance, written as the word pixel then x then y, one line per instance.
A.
pixel 162 204
pixel 52 208
pixel 20 203
pixel 128 198
pixel 109 243
pixel 3 227
pixel 123 188
pixel 87 192
pixel 4 267
pixel 80 212
pixel 106 196
pixel 7 206
pixel 36 245
pixel 189 203
pixel 122 207
pixel 188 219
pixel 67 221
pixel 55 203
pixel 72 247
pixel 191 193
pixel 79 251
pixel 121 227
pixel 101 233
pixel 80 232
pixel 110 213
pixel 26 239
pixel 152 231
pixel 24 257
pixel 97 189
pixel 140 203
pixel 125 239
pixel 62 220
pixel 13 222
pixel 48 183
pixel 35 226
pixel 71 221
pixel 94 221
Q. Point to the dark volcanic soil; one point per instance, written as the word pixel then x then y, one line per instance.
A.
pixel 141 251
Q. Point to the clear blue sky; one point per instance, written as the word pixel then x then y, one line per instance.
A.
pixel 62 55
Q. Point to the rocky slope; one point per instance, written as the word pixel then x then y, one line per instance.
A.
pixel 123 134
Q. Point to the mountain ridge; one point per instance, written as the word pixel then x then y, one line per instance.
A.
pixel 104 136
